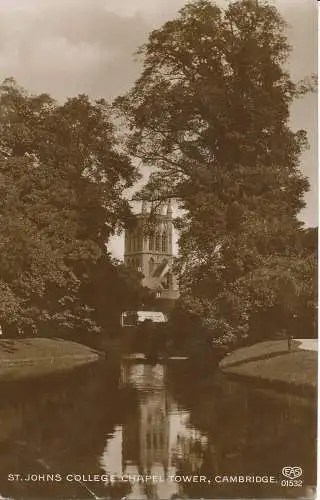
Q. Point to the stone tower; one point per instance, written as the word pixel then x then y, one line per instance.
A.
pixel 148 248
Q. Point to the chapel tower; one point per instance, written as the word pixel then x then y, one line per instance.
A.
pixel 148 248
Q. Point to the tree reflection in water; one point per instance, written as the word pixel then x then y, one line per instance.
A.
pixel 158 420
pixel 58 425
pixel 250 431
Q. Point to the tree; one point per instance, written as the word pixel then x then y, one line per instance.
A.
pixel 112 289
pixel 62 176
pixel 210 111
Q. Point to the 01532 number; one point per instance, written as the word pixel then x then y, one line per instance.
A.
pixel 291 482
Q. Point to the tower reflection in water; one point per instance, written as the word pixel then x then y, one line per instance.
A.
pixel 154 438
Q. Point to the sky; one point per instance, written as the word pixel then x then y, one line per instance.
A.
pixel 66 47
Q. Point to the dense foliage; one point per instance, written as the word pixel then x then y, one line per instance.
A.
pixel 62 177
pixel 211 112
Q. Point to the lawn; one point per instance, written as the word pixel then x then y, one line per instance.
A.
pixel 272 362
pixel 25 357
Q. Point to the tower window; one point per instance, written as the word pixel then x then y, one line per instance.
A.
pixel 151 242
pixel 157 243
pixel 164 243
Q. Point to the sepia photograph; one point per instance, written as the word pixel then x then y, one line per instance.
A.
pixel 158 249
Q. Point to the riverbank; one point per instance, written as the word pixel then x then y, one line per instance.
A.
pixel 272 363
pixel 40 356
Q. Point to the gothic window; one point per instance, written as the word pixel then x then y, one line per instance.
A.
pixel 164 243
pixel 151 242
pixel 157 243
pixel 145 242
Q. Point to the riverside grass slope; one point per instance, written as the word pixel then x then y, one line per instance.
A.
pixel 40 356
pixel 272 363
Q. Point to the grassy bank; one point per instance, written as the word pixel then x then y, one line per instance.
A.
pixel 272 363
pixel 33 357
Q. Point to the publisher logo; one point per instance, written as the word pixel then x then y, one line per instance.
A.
pixel 292 472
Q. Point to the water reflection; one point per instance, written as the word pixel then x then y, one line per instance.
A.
pixel 57 426
pixel 183 428
pixel 154 437
pixel 114 428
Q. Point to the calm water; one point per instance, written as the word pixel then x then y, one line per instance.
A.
pixel 101 432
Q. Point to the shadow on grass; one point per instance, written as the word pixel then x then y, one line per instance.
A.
pixel 10 346
pixel 294 347
pixel 261 357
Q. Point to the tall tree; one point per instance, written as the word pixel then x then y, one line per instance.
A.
pixel 211 111
pixel 62 179
pixel 113 288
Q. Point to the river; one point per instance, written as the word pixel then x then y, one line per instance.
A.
pixel 153 431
